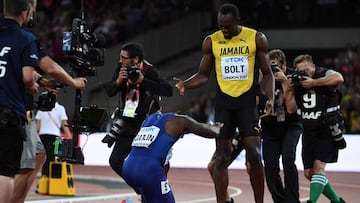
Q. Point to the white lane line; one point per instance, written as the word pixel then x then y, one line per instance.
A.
pixel 237 192
pixel 83 199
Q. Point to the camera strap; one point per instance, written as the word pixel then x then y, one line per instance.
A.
pixel 53 120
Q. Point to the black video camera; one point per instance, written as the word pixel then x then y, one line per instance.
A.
pixel 133 73
pixel 46 101
pixel 84 48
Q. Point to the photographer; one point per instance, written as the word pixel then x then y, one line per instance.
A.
pixel 318 99
pixel 139 84
pixel 281 132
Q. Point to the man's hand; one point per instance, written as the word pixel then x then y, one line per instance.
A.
pixel 48 83
pixel 308 82
pixel 122 76
pixel 280 76
pixel 216 126
pixel 79 83
pixel 269 107
pixel 179 85
pixel 33 89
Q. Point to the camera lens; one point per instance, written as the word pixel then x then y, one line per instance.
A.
pixel 133 73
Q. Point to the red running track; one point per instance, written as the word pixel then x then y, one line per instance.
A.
pixel 189 186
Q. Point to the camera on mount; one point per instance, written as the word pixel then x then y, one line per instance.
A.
pixel 133 73
pixel 85 49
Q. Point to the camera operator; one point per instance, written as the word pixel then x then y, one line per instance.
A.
pixel 319 103
pixel 17 76
pixel 140 84
pixel 281 132
pixel 33 154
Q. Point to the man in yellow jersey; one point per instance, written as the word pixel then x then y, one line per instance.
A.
pixel 233 50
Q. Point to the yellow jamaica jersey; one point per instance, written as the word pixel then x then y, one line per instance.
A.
pixel 234 61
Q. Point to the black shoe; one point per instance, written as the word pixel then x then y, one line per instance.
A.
pixel 341 201
pixel 309 201
pixel 230 201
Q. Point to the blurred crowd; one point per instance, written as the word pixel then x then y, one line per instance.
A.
pixel 120 20
pixel 347 62
pixel 116 21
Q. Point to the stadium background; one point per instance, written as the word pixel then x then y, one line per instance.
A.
pixel 172 31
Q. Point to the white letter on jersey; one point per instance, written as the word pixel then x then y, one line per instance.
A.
pixel 5 50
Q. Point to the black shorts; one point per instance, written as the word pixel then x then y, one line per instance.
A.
pixel 11 145
pixel 318 145
pixel 245 119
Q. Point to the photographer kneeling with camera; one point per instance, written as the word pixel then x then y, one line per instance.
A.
pixel 140 85
pixel 318 100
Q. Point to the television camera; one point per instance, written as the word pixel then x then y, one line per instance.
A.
pixel 85 49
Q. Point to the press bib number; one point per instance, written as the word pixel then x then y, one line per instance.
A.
pixel 235 68
pixel 130 108
pixel 146 136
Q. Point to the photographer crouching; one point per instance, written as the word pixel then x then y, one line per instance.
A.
pixel 318 100
pixel 140 85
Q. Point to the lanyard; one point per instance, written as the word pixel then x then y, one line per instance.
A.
pixel 132 94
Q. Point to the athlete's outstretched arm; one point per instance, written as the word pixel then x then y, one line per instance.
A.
pixel 205 67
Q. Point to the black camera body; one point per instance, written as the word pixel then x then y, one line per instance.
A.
pixel 46 101
pixel 84 48
pixel 274 67
pixel 133 73
pixel 297 76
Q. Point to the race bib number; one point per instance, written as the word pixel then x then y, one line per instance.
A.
pixel 146 136
pixel 165 187
pixel 235 68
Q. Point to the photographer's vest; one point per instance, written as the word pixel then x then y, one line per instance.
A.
pixel 234 61
pixel 315 103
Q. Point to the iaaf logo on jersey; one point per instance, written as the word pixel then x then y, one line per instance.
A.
pixel 310 115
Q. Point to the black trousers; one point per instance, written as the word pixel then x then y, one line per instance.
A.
pixel 282 141
pixel 122 145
